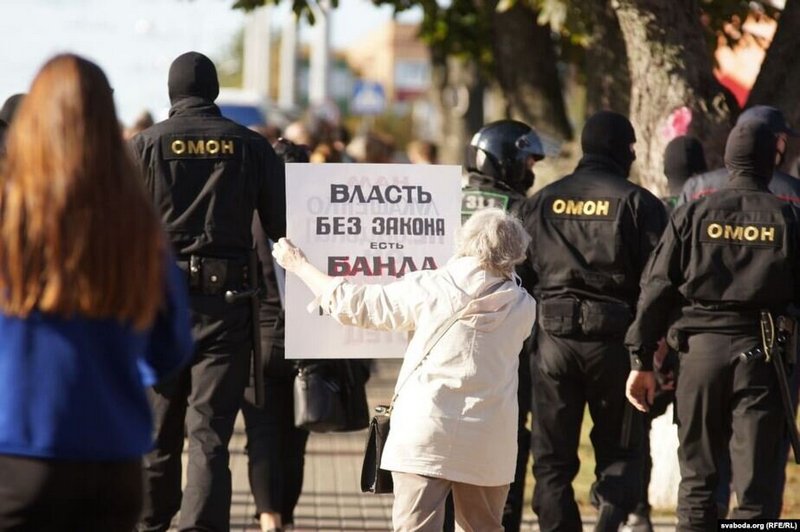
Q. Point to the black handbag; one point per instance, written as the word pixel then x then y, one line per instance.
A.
pixel 318 399
pixel 373 478
pixel 353 378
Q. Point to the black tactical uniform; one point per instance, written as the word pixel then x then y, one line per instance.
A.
pixel 499 166
pixel 207 175
pixel 275 446
pixel 499 163
pixel 783 185
pixel 484 191
pixel 592 232
pixel 722 260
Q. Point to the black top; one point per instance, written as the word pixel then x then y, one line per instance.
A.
pixel 206 175
pixel 483 191
pixel 683 158
pixel 592 232
pixel 271 309
pixel 722 259
pixel 783 185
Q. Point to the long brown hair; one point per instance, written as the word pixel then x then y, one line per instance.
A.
pixel 78 235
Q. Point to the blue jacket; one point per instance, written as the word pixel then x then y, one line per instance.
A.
pixel 74 388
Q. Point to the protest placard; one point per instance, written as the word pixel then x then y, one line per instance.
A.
pixel 371 223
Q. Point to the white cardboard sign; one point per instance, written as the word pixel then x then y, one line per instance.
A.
pixel 370 223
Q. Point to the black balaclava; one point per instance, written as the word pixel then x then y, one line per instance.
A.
pixel 193 75
pixel 683 158
pixel 750 151
pixel 772 117
pixel 10 108
pixel 609 134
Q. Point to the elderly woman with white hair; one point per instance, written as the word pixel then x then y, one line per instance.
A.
pixel 454 419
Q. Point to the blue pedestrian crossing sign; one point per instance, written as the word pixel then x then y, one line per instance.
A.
pixel 369 98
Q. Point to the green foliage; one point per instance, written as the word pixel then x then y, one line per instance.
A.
pixel 461 29
pixel 464 27
pixel 723 18
pixel 574 22
pixel 302 8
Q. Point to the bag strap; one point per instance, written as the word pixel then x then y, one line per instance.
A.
pixel 443 328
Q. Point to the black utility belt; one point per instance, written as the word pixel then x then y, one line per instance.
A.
pixel 573 317
pixel 214 276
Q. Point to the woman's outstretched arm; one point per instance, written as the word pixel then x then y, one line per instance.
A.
pixel 393 306
pixel 294 260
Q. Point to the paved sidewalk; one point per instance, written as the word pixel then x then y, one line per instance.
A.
pixel 331 499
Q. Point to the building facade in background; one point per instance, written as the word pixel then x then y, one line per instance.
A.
pixel 394 56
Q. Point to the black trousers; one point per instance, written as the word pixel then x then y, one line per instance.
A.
pixel 275 450
pixel 721 402
pixel 203 400
pixel 568 374
pixel 723 492
pixel 55 495
pixel 512 512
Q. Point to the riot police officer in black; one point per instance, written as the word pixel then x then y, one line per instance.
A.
pixel 499 163
pixel 592 232
pixel 787 188
pixel 723 260
pixel 207 175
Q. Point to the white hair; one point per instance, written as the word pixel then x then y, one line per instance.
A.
pixel 496 238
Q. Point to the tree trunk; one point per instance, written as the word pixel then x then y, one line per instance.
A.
pixel 671 82
pixel 608 82
pixel 525 66
pixel 458 96
pixel 779 76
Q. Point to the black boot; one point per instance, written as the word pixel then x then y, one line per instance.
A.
pixel 610 518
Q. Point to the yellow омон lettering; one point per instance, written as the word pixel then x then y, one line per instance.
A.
pixel 574 207
pixel 196 146
pixel 212 146
pixel 733 232
pixel 750 233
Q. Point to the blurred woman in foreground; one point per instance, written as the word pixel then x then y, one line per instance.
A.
pixel 454 418
pixel 91 310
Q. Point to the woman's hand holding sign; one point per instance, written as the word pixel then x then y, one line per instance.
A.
pixel 294 260
pixel 288 255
